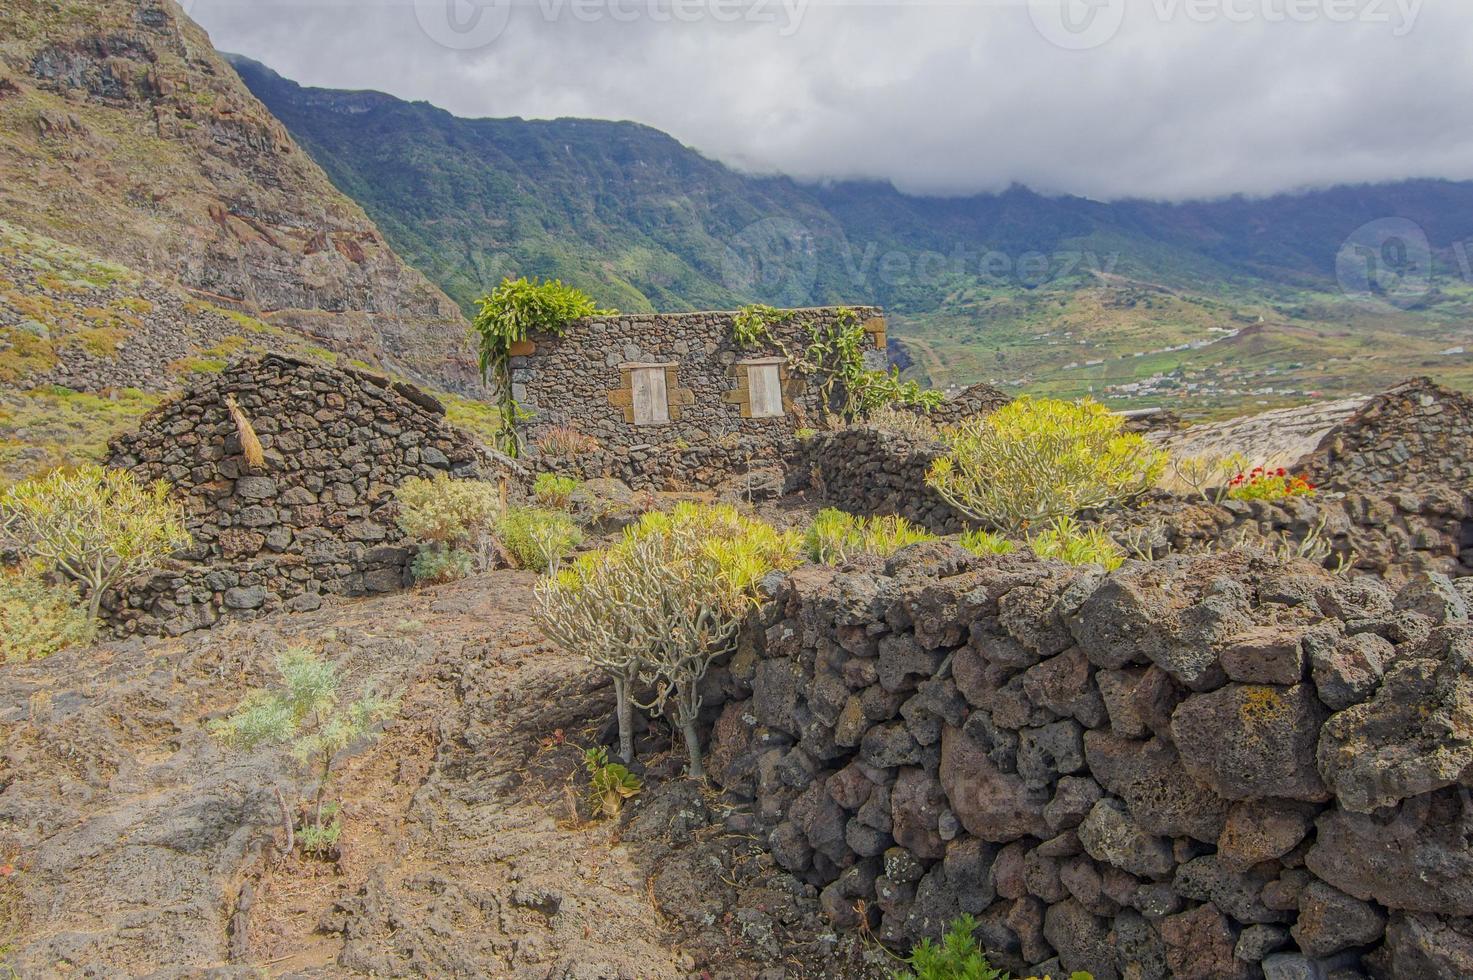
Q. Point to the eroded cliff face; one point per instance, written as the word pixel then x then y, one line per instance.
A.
pixel 124 132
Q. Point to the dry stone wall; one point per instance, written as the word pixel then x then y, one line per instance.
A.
pixel 1203 768
pixel 869 471
pixel 582 380
pixel 317 519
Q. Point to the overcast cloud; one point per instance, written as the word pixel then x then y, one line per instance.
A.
pixel 1104 98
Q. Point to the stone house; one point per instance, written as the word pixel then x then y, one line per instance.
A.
pixel 671 399
pixel 318 518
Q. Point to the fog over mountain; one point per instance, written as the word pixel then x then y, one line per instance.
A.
pixel 1165 99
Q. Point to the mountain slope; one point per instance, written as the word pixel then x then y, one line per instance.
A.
pixel 1048 293
pixel 124 133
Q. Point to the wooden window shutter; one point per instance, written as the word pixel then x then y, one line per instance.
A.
pixel 765 391
pixel 651 398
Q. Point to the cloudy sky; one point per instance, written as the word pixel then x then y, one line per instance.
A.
pixel 1165 99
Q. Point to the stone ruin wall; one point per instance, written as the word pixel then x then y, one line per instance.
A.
pixel 1208 767
pixel 578 380
pixel 317 519
pixel 1394 495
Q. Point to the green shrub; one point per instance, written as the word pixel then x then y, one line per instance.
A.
pixel 444 511
pixel 957 957
pixel 986 543
pixel 96 526
pixel 566 441
pixel 436 566
pixel 304 714
pixel 38 618
pixel 1071 544
pixel 834 536
pixel 656 607
pixel 551 490
pixel 454 520
pixel 609 783
pixel 1036 460
pixel 538 539
pixel 515 311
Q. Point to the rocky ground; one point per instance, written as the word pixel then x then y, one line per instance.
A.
pixel 136 846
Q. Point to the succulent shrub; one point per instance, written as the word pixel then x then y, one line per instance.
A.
pixel 1036 460
pixel 551 490
pixel 566 441
pixel 454 519
pixel 609 783
pixel 38 617
pixel 957 957
pixel 1066 541
pixel 835 536
pixel 537 538
pixel 303 713
pixel 1207 477
pixel 96 526
pixel 909 423
pixel 980 542
pixel 656 607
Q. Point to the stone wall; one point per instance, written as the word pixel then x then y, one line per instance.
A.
pixel 318 518
pixel 863 470
pixel 1200 768
pixel 581 380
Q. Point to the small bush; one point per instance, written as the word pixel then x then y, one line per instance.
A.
pixel 986 543
pixel 1072 545
pixel 454 519
pixel 834 536
pixel 911 424
pixel 551 490
pixel 566 441
pixel 444 511
pixel 304 714
pixel 38 618
pixel 1208 477
pixel 1036 460
pixel 538 539
pixel 1263 484
pixel 96 526
pixel 609 783
pixel 957 957
pixel 436 566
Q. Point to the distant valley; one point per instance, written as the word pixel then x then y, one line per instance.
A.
pixel 1209 307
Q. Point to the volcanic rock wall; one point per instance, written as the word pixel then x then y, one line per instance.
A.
pixel 1203 768
pixel 864 470
pixel 317 518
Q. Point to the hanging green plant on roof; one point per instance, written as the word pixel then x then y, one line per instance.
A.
pixel 515 311
pixel 834 359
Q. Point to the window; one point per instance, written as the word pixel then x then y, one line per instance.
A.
pixel 765 391
pixel 651 400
